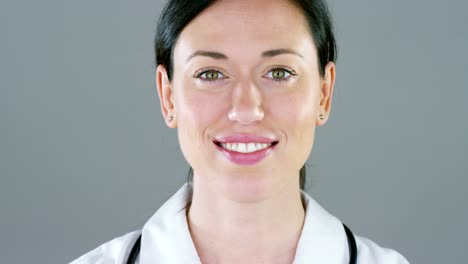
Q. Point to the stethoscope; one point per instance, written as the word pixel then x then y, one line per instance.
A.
pixel 351 245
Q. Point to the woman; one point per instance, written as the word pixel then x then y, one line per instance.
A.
pixel 245 83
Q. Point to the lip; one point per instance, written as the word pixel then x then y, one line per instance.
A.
pixel 245 158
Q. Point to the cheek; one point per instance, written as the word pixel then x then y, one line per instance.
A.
pixel 296 111
pixel 197 112
pixel 295 115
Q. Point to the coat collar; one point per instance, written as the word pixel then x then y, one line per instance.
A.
pixel 166 237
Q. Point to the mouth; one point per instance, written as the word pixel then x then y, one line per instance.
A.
pixel 245 147
pixel 248 152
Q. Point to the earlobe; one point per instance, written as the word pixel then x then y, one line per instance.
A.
pixel 166 96
pixel 327 84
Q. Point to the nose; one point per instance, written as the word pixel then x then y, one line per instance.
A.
pixel 246 104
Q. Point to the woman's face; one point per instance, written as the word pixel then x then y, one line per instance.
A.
pixel 246 72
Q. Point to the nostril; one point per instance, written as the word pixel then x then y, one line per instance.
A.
pixel 246 116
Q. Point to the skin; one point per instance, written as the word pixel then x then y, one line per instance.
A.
pixel 246 213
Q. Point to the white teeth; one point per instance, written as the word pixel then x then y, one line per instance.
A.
pixel 234 147
pixel 245 147
pixel 251 147
pixel 241 148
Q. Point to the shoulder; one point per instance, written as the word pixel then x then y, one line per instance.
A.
pixel 114 251
pixel 370 252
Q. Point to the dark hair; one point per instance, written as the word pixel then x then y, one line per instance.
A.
pixel 178 13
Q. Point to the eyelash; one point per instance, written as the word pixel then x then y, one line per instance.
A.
pixel 200 72
pixel 288 70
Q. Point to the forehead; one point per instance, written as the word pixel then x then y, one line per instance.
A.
pixel 240 27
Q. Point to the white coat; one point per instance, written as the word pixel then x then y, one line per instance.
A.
pixel 166 239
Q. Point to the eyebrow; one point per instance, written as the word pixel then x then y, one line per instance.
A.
pixel 211 54
pixel 276 52
pixel 221 56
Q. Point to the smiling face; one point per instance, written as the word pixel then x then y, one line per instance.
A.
pixel 246 96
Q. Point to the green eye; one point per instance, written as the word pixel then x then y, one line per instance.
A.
pixel 211 75
pixel 278 73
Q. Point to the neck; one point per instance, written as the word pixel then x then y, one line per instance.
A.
pixel 265 231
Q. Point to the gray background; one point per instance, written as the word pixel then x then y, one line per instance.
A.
pixel 85 155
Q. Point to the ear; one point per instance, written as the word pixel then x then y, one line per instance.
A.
pixel 327 85
pixel 166 96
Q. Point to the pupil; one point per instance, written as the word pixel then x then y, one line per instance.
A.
pixel 278 74
pixel 212 75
